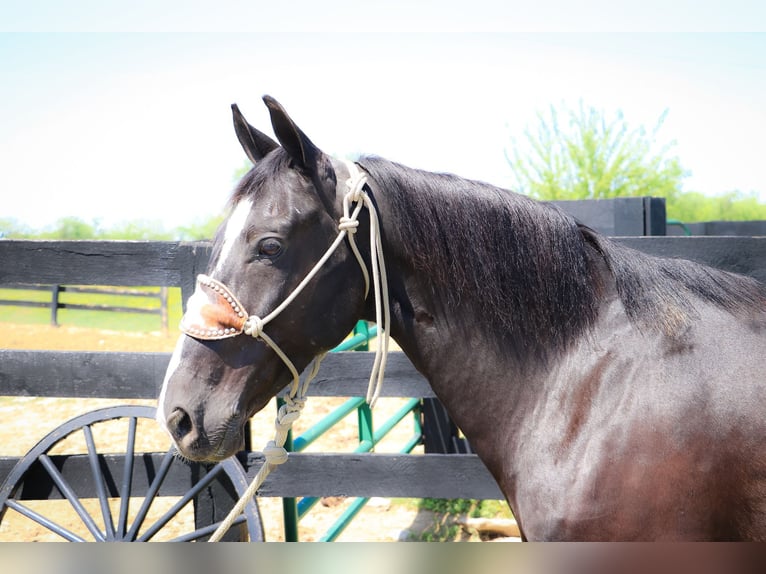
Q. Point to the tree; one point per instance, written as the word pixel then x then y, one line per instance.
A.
pixel 728 206
pixel 579 154
pixel 72 228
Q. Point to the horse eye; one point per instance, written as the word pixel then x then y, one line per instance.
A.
pixel 269 247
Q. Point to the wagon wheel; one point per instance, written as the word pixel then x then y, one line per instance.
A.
pixel 114 477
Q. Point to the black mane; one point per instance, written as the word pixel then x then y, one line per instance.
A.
pixel 533 265
pixel 526 261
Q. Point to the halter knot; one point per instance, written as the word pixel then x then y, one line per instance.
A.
pixel 274 454
pixel 355 186
pixel 348 224
pixel 287 416
pixel 254 326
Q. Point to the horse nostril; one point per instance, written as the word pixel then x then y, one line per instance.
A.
pixel 179 423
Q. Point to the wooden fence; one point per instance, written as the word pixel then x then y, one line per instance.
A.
pixel 132 375
pixel 55 302
pixel 139 375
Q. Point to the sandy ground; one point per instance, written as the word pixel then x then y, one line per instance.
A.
pixel 26 420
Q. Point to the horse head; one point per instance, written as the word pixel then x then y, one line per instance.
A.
pixel 264 309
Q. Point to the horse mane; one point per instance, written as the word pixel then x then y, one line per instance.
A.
pixel 533 266
pixel 527 262
pixel 661 293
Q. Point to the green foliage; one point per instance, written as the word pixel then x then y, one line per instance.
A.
pixel 134 230
pixel 11 227
pixel 580 154
pixel 729 206
pixel 199 230
pixel 447 511
pixel 469 507
pixel 71 228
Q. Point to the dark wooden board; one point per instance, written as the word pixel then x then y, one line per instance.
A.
pixel 745 255
pixel 620 216
pixel 140 375
pixel 304 474
pixel 391 475
pixel 125 263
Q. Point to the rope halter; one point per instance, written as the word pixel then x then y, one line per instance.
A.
pixel 214 312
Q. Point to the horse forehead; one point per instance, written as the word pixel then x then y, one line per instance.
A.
pixel 233 230
pixel 273 213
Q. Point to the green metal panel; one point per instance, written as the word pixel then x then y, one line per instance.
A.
pixel 294 510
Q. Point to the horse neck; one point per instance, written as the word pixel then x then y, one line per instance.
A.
pixel 469 357
pixel 443 346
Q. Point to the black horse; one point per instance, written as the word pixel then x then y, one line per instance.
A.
pixel 611 394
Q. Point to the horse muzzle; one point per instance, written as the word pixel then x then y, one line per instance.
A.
pixel 197 444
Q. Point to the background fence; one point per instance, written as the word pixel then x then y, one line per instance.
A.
pixel 359 474
pixel 160 294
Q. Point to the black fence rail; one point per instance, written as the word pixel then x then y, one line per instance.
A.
pixel 755 228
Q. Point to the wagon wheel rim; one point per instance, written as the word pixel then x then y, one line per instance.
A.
pixel 103 525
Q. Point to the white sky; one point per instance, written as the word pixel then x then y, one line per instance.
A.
pixel 123 125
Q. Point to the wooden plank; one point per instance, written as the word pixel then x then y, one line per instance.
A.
pixel 745 255
pixel 111 308
pixel 125 263
pixel 81 374
pixel 170 263
pixel 621 216
pixel 655 216
pixel 304 474
pixel 76 470
pixel 19 303
pixel 140 375
pixel 394 475
pixel 347 375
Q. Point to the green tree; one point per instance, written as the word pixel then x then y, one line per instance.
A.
pixel 71 228
pixel 728 206
pixel 580 154
pixel 199 230
pixel 12 228
pixel 137 230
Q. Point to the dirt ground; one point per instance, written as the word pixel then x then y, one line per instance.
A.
pixel 26 420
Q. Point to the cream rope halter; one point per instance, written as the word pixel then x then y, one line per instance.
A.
pixel 215 313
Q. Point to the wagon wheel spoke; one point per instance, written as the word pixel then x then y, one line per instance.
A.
pixel 43 521
pixel 154 488
pixel 207 530
pixel 127 478
pixel 71 496
pixel 98 481
pixel 185 499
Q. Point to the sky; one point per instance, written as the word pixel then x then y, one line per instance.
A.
pixel 133 121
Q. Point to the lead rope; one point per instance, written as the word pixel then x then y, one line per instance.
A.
pixel 274 452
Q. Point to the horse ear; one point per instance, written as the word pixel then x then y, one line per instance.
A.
pixel 255 143
pixel 297 144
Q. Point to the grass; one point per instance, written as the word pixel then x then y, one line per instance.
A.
pixel 444 526
pixel 96 319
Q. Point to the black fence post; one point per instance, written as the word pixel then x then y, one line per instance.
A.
pixel 55 290
pixel 164 308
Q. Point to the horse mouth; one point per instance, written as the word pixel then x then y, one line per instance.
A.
pixel 211 453
pixel 223 442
